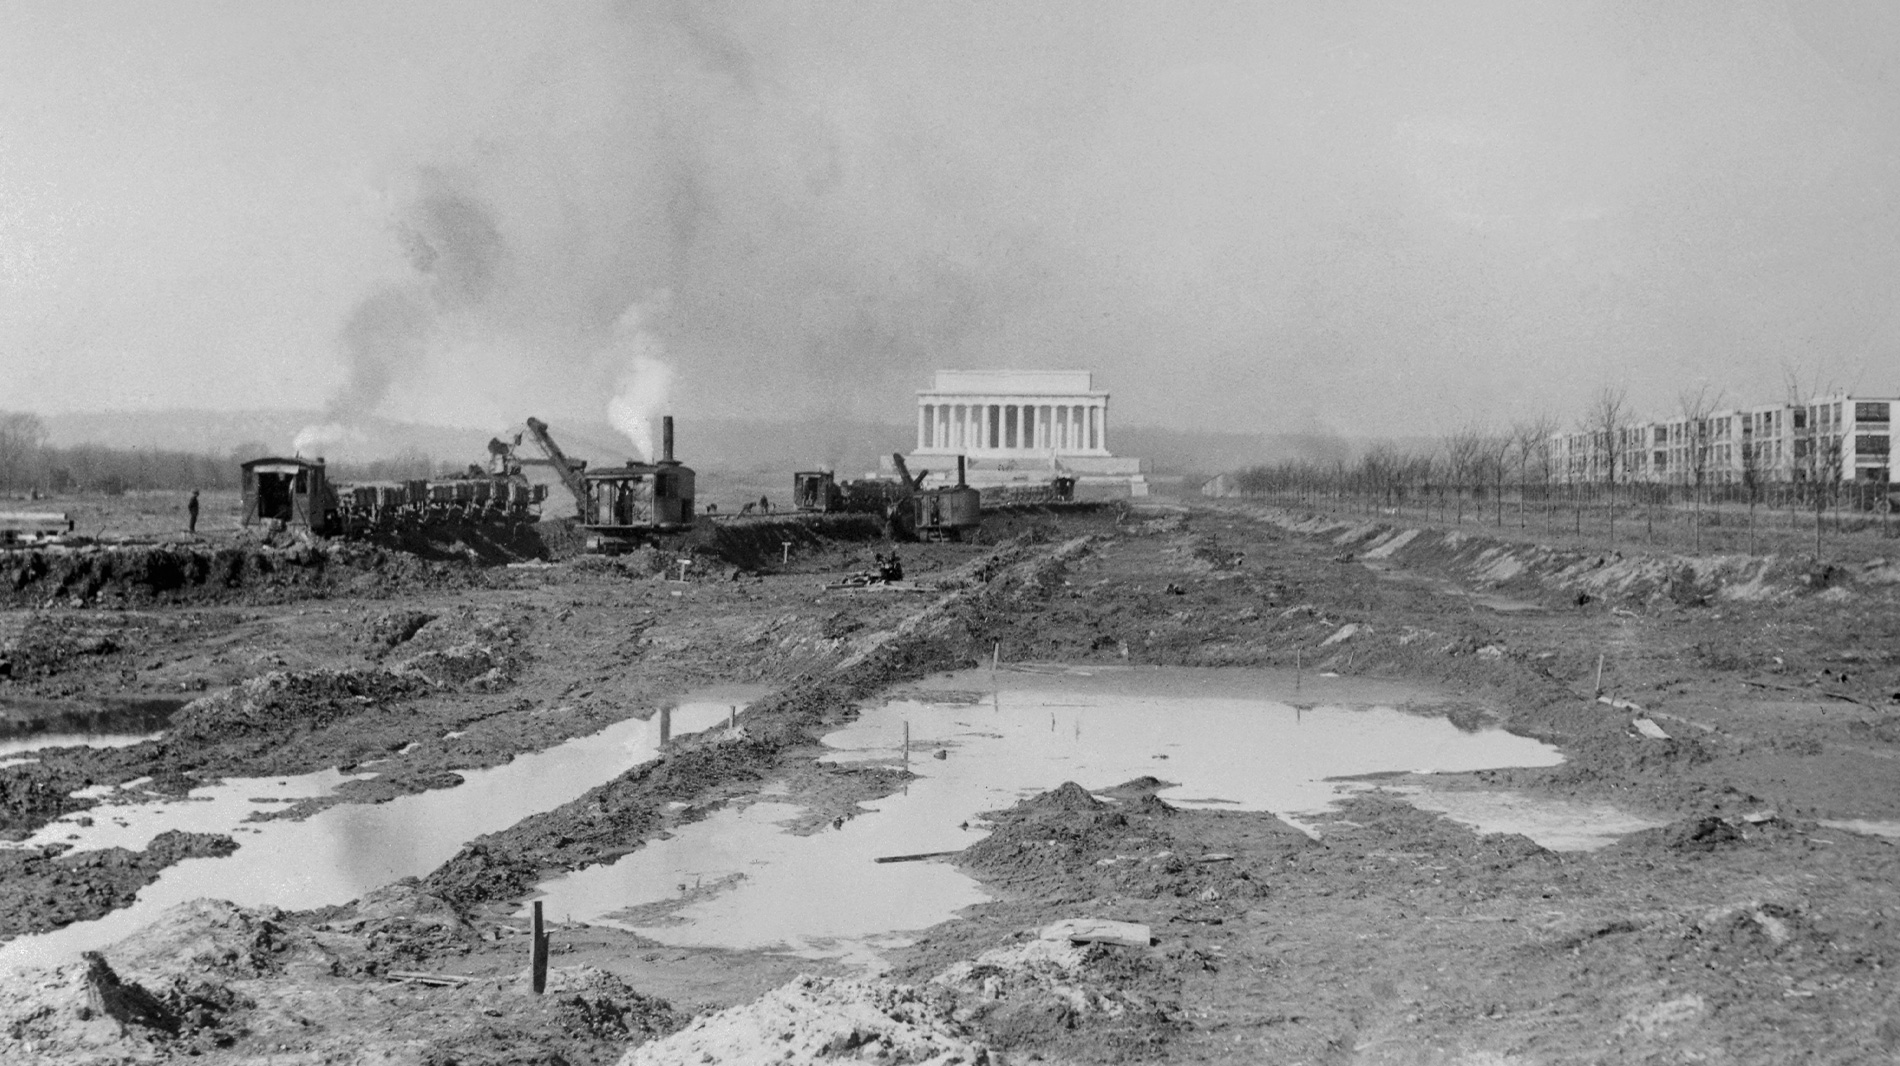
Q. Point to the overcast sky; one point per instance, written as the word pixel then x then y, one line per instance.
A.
pixel 1368 217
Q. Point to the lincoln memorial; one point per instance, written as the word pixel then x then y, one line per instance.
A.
pixel 1019 426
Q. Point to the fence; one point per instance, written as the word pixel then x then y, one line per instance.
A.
pixel 1774 517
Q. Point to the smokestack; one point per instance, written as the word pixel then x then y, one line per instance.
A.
pixel 960 471
pixel 666 439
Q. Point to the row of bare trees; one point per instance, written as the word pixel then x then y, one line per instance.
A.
pixel 28 464
pixel 1520 470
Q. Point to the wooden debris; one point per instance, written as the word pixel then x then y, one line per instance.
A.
pixel 1098 931
pixel 448 979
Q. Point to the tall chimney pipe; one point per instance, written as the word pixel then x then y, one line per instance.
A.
pixel 666 438
pixel 960 471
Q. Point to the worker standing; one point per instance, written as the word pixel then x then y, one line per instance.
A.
pixel 191 513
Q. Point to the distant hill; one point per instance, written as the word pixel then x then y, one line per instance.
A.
pixel 847 446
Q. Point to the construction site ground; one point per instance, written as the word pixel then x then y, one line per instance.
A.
pixel 1745 705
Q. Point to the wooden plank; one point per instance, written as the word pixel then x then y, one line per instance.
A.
pixel 1098 931
pixel 428 978
pixel 916 857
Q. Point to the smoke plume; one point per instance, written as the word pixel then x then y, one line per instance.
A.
pixel 647 379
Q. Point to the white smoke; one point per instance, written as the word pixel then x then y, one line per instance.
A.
pixel 647 379
pixel 313 439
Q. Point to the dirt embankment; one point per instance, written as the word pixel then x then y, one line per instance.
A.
pixel 235 572
pixel 1744 930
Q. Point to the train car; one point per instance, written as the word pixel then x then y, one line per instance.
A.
pixel 297 493
pixel 1055 490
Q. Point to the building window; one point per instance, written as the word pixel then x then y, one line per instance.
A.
pixel 1870 444
pixel 1870 412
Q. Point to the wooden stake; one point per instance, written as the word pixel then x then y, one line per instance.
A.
pixel 666 726
pixel 1599 673
pixel 538 954
pixel 906 743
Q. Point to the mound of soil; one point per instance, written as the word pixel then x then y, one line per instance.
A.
pixel 84 885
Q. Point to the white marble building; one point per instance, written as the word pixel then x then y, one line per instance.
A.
pixel 1019 426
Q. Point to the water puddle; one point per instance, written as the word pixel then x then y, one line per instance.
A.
pixel 41 741
pixel 119 723
pixel 1557 824
pixel 1865 826
pixel 344 851
pixel 1227 738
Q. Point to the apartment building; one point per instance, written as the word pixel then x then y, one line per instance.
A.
pixel 1839 437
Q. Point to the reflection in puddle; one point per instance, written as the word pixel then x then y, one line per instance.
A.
pixel 1560 825
pixel 1221 736
pixel 115 723
pixel 41 741
pixel 1867 826
pixel 345 851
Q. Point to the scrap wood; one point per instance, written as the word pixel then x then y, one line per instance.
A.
pixel 1098 931
pixel 1843 697
pixel 916 857
pixel 1649 729
pixel 449 979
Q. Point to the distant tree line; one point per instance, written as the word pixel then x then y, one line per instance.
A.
pixel 29 464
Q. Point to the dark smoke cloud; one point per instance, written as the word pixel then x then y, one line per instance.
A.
pixel 387 332
pixel 1340 217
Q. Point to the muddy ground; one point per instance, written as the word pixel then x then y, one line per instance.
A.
pixel 1742 929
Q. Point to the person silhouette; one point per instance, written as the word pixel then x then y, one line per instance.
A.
pixel 191 513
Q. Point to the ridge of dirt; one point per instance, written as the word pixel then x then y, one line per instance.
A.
pixel 1743 929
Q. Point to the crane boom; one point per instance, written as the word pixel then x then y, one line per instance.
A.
pixel 568 471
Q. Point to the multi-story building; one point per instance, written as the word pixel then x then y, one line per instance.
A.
pixel 1840 437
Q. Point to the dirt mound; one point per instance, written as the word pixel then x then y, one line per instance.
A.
pixel 282 701
pixel 247 572
pixel 63 888
pixel 821 1019
pixel 756 544
pixel 1068 796
pixel 1046 995
pixel 1628 576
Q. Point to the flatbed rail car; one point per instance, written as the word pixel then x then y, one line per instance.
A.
pixel 26 528
pixel 297 493
pixel 1055 490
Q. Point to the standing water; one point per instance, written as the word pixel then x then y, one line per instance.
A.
pixel 344 851
pixel 1224 737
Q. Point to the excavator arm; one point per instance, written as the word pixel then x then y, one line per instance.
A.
pixel 911 484
pixel 566 469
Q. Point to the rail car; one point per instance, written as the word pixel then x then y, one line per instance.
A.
pixel 298 493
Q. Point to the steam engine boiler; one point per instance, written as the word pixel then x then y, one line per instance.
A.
pixel 626 506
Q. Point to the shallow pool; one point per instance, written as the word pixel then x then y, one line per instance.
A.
pixel 1228 738
pixel 347 850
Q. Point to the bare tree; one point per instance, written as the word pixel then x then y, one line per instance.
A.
pixel 1495 455
pixel 1606 420
pixel 1464 453
pixel 1530 441
pixel 1817 439
pixel 1696 408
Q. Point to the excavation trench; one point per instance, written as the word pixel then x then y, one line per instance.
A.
pixel 982 740
pixel 346 850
